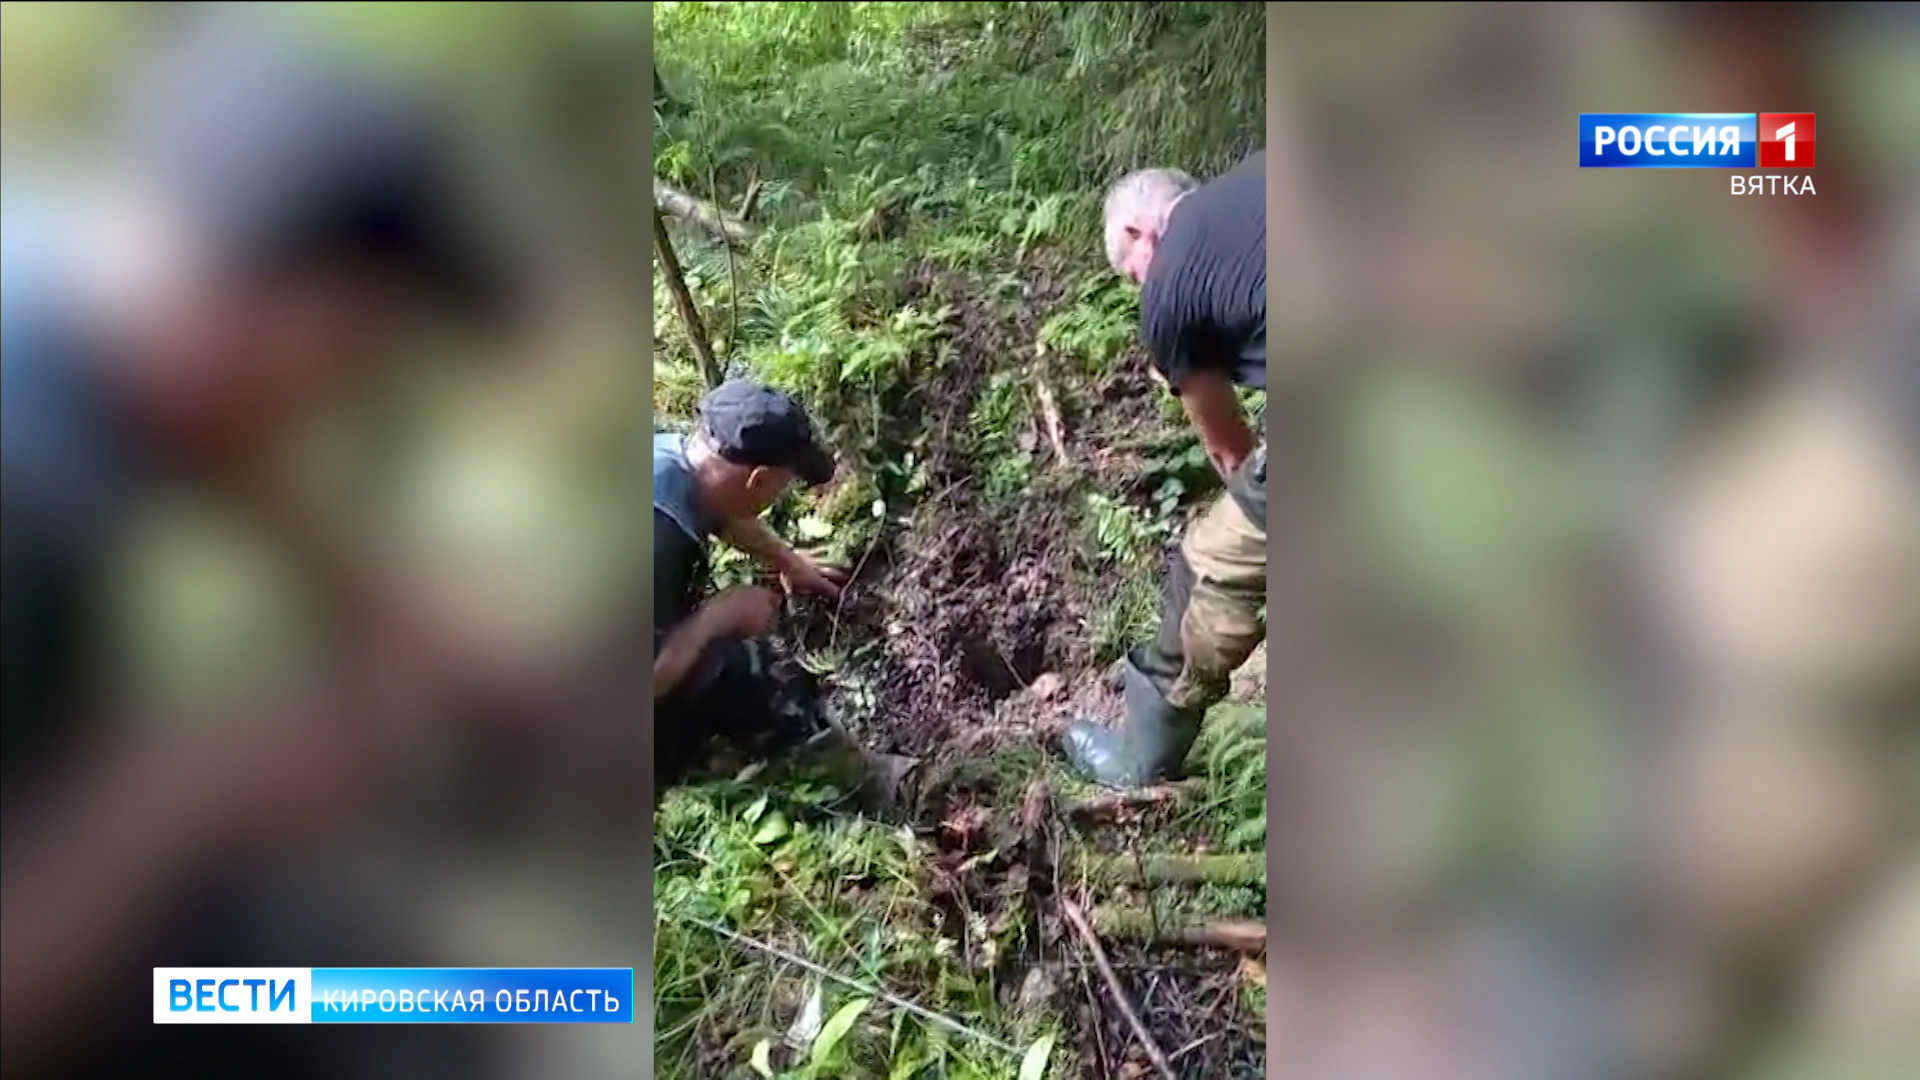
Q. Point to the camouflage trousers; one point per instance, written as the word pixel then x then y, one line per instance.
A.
pixel 1214 606
pixel 742 693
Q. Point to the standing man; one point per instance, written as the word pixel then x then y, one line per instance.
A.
pixel 1198 252
pixel 712 673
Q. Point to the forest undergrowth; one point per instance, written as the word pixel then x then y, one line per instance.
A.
pixel 920 262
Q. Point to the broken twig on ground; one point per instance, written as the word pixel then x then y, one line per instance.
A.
pixel 750 199
pixel 1173 869
pixel 1079 920
pixel 840 603
pixel 1050 412
pixel 1240 935
pixel 1105 806
pixel 1194 1045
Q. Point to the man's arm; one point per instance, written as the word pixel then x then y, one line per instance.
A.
pixel 681 649
pixel 1190 361
pixel 1214 408
pixel 752 536
pixel 675 556
pixel 799 572
pixel 745 611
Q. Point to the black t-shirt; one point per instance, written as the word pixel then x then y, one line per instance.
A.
pixel 680 533
pixel 1203 305
pixel 679 575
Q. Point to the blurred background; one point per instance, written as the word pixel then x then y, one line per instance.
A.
pixel 1598 558
pixel 327 656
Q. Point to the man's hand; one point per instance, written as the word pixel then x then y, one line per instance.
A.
pixel 798 572
pixel 744 611
pixel 804 573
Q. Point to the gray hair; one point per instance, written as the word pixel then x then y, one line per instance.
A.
pixel 1146 194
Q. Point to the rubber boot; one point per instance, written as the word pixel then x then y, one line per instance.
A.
pixel 882 784
pixel 1149 745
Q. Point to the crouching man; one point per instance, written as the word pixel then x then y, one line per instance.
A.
pixel 714 675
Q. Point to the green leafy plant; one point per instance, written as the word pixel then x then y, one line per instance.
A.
pixel 1102 322
pixel 1121 532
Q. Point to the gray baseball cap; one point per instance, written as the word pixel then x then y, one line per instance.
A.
pixel 751 424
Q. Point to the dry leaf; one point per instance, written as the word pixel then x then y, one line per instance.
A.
pixel 1253 972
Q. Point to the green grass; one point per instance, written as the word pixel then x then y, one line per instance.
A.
pixel 1232 754
pixel 841 890
pixel 1131 616
pixel 842 112
pixel 778 858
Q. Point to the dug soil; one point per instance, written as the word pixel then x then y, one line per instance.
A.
pixel 978 621
pixel 974 605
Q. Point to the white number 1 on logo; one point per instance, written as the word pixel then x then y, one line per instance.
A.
pixel 1786 134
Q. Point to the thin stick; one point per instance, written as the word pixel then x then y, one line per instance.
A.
pixel 1050 412
pixel 866 988
pixel 683 301
pixel 1099 1036
pixel 1072 911
pixel 733 277
pixel 1194 1045
pixel 752 196
pixel 840 605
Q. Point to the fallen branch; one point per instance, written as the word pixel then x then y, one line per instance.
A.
pixel 1105 806
pixel 866 988
pixel 695 212
pixel 1174 869
pixel 1072 911
pixel 683 302
pixel 1239 935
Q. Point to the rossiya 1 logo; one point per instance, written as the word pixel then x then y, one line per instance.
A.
pixel 1786 140
pixel 1705 141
